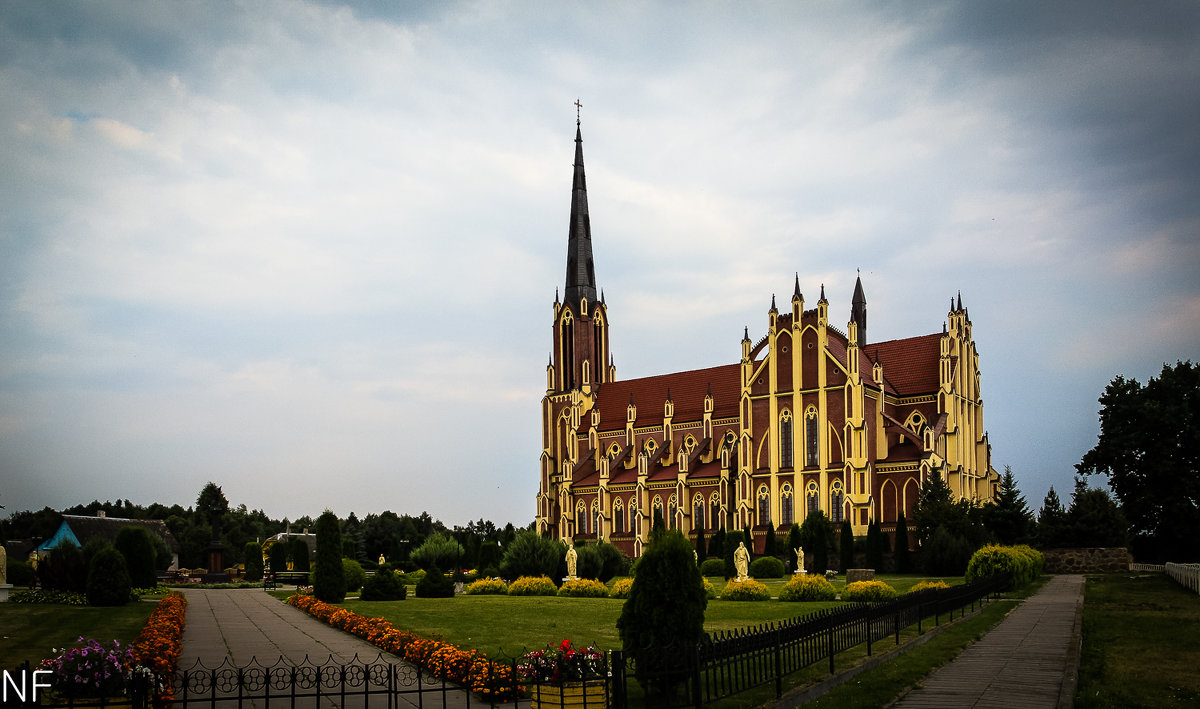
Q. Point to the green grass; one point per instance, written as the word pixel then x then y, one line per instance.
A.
pixel 1141 643
pixel 29 631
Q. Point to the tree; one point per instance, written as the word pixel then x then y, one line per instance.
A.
pixel 875 544
pixel 903 559
pixel 1149 447
pixel 1009 518
pixel 298 553
pixel 816 535
pixel 1051 524
pixel 793 543
pixel 1094 519
pixel 531 554
pixel 212 506
pixel 329 578
pixel 137 547
pixel 846 547
pixel 701 548
pixel 663 618
pixel 440 550
pixel 771 543
pixel 108 578
pixel 252 557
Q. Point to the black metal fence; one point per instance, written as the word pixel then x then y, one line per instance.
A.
pixel 723 665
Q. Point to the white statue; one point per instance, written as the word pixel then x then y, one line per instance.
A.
pixel 3 566
pixel 572 558
pixel 382 560
pixel 741 561
pixel 799 560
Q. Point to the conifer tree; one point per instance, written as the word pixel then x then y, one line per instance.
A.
pixel 793 543
pixel 874 547
pixel 903 559
pixel 701 549
pixel 1052 519
pixel 846 547
pixel 329 577
pixel 1009 518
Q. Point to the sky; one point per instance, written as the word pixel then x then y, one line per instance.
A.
pixel 308 250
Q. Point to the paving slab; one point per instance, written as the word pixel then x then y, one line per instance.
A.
pixel 1030 660
pixel 247 627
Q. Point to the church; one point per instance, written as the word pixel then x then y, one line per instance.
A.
pixel 810 417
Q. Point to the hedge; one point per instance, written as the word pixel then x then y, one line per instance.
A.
pixel 807 587
pixel 533 586
pixel 766 567
pixel 868 591
pixel 748 590
pixel 583 588
pixel 486 587
pixel 1023 563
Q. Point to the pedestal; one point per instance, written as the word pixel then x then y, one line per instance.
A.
pixel 4 589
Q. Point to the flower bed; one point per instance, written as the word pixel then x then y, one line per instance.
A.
pixel 487 586
pixel 621 588
pixel 158 646
pixel 90 670
pixel 66 598
pixel 532 586
pixel 926 585
pixel 583 588
pixel 470 668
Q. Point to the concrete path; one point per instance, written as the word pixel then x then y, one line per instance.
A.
pixel 1030 660
pixel 238 627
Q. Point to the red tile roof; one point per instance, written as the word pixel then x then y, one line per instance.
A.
pixel 910 365
pixel 687 392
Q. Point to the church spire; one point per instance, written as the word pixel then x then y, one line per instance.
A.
pixel 858 311
pixel 581 275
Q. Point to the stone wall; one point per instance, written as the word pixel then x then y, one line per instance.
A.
pixel 1087 561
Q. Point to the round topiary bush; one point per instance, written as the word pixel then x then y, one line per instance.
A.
pixel 620 588
pixel 354 574
pixel 486 587
pixel 583 588
pixel 712 567
pixel 435 584
pixel 926 585
pixel 328 574
pixel 766 567
pixel 384 585
pixel 807 587
pixel 1022 563
pixel 108 579
pixel 868 592
pixel 532 586
pixel 748 590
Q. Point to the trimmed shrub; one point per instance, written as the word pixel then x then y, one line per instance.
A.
pixel 816 535
pixel 945 554
pixel 435 585
pixel 665 610
pixel 531 554
pixel 710 591
pixel 108 579
pixel 329 576
pixel 486 587
pixel 1023 563
pixel 846 547
pixel 613 562
pixel 384 585
pixel 583 588
pixel 902 558
pixel 868 591
pixel 793 543
pixel 766 567
pixel 620 588
pixel 21 573
pixel 440 550
pixel 532 586
pixel 298 554
pixel 277 556
pixel 136 545
pixel 748 590
pixel 926 585
pixel 252 554
pixel 588 564
pixel 712 567
pixel 64 569
pixel 807 587
pixel 353 573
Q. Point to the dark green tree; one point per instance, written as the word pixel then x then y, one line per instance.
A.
pixel 138 549
pixel 1149 447
pixel 384 585
pixel 1009 518
pixel 716 545
pixel 211 507
pixel 435 584
pixel 816 535
pixel 1094 519
pixel 278 556
pixel 874 547
pixel 531 554
pixel 329 578
pixel 771 542
pixel 252 558
pixel 846 547
pixel 1052 530
pixel 298 553
pixel 903 558
pixel 793 543
pixel 731 544
pixel 439 549
pixel 108 578
pixel 701 547
pixel 663 618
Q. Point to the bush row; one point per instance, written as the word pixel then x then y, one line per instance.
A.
pixel 1023 562
pixel 470 668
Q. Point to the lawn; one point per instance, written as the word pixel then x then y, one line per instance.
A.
pixel 511 625
pixel 1141 643
pixel 29 631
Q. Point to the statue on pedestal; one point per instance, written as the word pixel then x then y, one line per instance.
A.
pixel 799 560
pixel 741 561
pixel 572 561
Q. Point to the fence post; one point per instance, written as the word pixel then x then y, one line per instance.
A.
pixel 616 678
pixel 778 664
pixel 869 630
pixel 697 700
pixel 829 620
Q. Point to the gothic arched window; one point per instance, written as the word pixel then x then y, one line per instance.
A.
pixel 811 439
pixel 580 518
pixel 785 439
pixel 672 513
pixel 618 516
pixel 764 505
pixel 813 502
pixel 698 512
pixel 714 504
pixel 786 513
pixel 836 498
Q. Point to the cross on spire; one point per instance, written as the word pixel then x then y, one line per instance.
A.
pixel 578 106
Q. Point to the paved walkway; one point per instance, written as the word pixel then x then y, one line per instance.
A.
pixel 237 627
pixel 1030 660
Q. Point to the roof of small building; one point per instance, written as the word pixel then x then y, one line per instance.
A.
pixel 83 529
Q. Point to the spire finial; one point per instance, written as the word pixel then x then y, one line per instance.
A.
pixel 960 300
pixel 773 302
pixel 578 106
